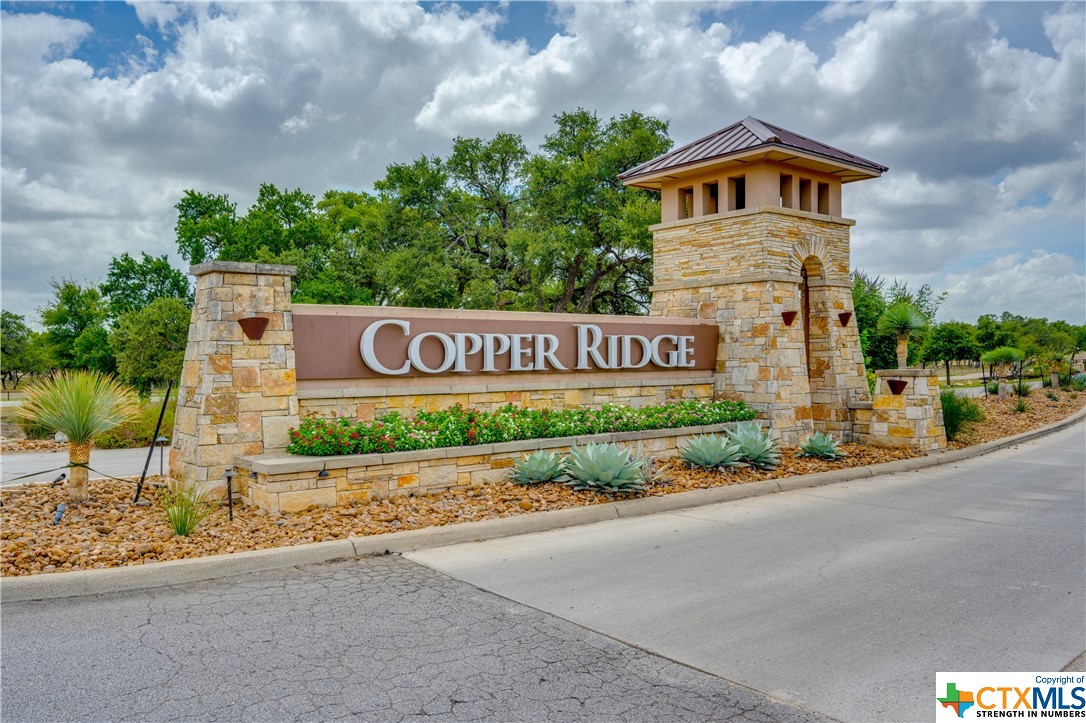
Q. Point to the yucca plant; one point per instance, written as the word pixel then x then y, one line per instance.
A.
pixel 80 405
pixel 539 467
pixel 1020 406
pixel 185 507
pixel 711 451
pixel 605 468
pixel 758 446
pixel 903 321
pixel 820 445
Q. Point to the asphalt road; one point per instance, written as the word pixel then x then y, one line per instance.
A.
pixel 378 639
pixel 113 462
pixel 845 599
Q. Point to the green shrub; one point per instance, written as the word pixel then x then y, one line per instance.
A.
pixel 759 447
pixel 184 507
pixel 537 467
pixel 605 468
pixel 958 412
pixel 821 445
pixel 1078 383
pixel 993 387
pixel 139 432
pixel 1020 406
pixel 711 451
pixel 1020 389
pixel 1053 396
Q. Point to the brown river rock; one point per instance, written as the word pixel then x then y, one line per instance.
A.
pixel 112 532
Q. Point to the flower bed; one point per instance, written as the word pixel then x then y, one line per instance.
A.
pixel 460 426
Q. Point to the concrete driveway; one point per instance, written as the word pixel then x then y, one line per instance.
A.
pixel 845 599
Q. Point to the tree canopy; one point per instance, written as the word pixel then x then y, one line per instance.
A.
pixel 131 285
pixel 490 226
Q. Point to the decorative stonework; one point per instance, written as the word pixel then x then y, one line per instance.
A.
pixel 913 417
pixel 744 269
pixel 280 483
pixel 238 396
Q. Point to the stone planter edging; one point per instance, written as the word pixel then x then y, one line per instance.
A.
pixel 283 463
pixel 289 483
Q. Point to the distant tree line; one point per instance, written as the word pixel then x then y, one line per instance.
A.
pixel 1045 344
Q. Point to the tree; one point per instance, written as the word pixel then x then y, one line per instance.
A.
pixel 75 327
pixel 903 322
pixel 869 304
pixel 80 405
pixel 131 285
pixel 150 343
pixel 952 341
pixel 22 350
pixel 587 247
pixel 205 225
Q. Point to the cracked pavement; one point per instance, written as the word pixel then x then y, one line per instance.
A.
pixel 381 639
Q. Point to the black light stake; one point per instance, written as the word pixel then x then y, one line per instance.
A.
pixel 230 491
pixel 161 442
pixel 151 449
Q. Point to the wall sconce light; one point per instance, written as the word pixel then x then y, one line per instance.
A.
pixel 897 386
pixel 253 327
pixel 788 317
pixel 323 473
pixel 844 316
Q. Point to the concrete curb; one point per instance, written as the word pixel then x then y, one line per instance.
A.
pixel 175 572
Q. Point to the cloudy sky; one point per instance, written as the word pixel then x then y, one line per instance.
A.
pixel 111 110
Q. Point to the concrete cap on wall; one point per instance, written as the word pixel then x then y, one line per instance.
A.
pixel 238 267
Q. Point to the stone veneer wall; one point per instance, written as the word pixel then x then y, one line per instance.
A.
pixel 744 269
pixel 287 483
pixel 237 396
pixel 370 402
pixel 913 418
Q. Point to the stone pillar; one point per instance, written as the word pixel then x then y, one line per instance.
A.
pixel 238 396
pixel 745 270
pixel 911 416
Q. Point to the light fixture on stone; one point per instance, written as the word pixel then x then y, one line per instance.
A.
pixel 845 316
pixel 897 386
pixel 789 317
pixel 253 327
pixel 323 473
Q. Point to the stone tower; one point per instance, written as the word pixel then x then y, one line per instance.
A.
pixel 752 236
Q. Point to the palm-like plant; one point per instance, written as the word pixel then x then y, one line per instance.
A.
pixel 904 322
pixel 80 405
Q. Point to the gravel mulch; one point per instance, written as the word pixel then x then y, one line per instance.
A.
pixel 109 531
pixel 1000 419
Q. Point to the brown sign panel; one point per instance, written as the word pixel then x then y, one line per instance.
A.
pixel 388 343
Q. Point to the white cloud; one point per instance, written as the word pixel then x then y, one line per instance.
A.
pixel 984 139
pixel 1043 283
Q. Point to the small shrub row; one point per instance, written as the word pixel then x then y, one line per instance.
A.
pixel 459 425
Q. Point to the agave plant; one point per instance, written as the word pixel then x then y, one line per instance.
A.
pixel 904 322
pixel 758 446
pixel 539 467
pixel 712 452
pixel 822 446
pixel 605 468
pixel 80 405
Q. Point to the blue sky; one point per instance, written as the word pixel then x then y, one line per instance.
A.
pixel 111 110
